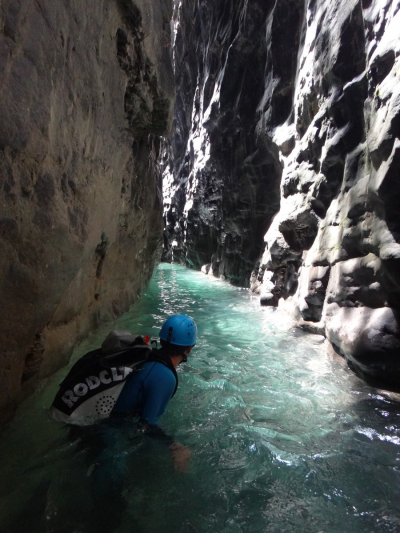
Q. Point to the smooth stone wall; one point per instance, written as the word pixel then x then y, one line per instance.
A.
pixel 86 92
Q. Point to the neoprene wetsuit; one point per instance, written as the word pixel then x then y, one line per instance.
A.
pixel 147 392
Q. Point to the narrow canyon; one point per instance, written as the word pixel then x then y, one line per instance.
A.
pixel 258 141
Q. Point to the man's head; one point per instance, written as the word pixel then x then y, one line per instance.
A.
pixel 178 335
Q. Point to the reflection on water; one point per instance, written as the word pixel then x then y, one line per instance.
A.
pixel 284 437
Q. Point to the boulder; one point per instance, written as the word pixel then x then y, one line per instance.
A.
pixel 368 338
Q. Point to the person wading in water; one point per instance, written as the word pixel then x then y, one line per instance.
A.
pixel 148 392
pixel 140 396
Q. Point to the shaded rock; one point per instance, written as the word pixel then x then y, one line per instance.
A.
pixel 269 299
pixel 390 255
pixel 310 295
pixel 317 328
pixel 86 91
pixel 222 173
pixel 357 282
pixel 299 230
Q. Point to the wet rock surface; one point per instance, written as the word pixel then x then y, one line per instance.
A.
pixel 86 91
pixel 288 122
pixel 222 174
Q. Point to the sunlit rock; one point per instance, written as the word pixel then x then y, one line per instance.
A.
pixel 310 104
pixel 369 338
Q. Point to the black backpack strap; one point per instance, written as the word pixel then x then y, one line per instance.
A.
pixel 159 356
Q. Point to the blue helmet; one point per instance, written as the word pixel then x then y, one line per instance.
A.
pixel 180 330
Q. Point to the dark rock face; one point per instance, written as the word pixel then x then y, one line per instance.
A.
pixel 86 91
pixel 303 95
pixel 224 174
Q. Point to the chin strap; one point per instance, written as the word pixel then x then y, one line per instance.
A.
pixel 182 353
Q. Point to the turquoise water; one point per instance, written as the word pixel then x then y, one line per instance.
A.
pixel 284 438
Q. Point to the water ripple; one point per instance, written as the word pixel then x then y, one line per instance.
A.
pixel 284 438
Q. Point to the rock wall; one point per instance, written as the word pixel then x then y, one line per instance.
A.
pixel 293 110
pixel 87 90
pixel 222 173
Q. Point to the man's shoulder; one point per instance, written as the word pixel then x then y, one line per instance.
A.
pixel 157 368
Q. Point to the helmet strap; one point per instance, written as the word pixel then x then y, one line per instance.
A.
pixel 169 334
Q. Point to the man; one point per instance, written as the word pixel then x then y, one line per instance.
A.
pixel 148 392
pixel 102 388
pixel 144 393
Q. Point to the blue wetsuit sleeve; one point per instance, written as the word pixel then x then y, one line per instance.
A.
pixel 158 389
